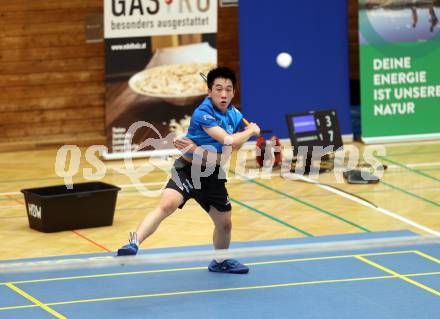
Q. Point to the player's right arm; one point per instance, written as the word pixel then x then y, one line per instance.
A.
pixel 235 140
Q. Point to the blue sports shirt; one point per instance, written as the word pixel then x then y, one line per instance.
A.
pixel 207 115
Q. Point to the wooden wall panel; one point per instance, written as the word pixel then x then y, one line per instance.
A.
pixel 49 77
pixel 89 125
pixel 52 81
pixel 227 43
pixel 24 17
pixel 45 5
pixel 51 115
pixel 68 65
pixel 42 41
pixel 36 54
pixel 51 90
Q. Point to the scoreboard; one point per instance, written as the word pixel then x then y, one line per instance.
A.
pixel 314 128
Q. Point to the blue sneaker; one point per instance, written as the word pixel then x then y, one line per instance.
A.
pixel 131 248
pixel 230 266
pixel 128 250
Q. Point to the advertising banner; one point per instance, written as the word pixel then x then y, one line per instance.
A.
pixel 154 52
pixel 400 69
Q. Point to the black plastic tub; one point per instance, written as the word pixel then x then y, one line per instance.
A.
pixel 56 208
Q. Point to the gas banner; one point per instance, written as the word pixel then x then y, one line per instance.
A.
pixel 155 51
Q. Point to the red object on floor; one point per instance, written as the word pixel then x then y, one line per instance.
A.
pixel 269 150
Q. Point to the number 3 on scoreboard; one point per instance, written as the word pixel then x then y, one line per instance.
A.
pixel 328 121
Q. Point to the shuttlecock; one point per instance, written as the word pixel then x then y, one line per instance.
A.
pixel 284 60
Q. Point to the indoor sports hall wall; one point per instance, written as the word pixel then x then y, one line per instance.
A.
pixel 315 35
pixel 51 80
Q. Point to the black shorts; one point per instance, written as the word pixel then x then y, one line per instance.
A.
pixel 211 191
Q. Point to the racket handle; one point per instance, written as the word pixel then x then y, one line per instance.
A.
pixel 246 122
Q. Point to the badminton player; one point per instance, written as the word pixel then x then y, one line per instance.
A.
pixel 216 125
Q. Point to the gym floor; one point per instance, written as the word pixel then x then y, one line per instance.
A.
pixel 400 283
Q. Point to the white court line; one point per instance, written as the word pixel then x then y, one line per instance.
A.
pixel 121 186
pixel 412 143
pixel 416 165
pixel 369 205
pixel 12 206
pixel 328 188
pixel 238 178
pixel 141 184
pixel 10 193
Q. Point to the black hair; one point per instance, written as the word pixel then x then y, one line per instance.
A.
pixel 221 72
